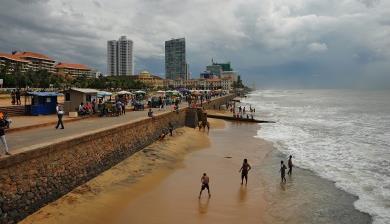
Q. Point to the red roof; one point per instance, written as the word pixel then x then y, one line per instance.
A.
pixel 72 66
pixel 27 54
pixel 12 57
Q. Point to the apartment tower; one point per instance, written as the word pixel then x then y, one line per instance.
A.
pixel 120 58
pixel 176 66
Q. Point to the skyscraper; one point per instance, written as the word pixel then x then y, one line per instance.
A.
pixel 176 66
pixel 112 63
pixel 120 60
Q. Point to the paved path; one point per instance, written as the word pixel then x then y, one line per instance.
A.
pixel 25 121
pixel 35 136
pixel 44 135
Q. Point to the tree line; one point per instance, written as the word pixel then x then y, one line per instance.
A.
pixel 45 79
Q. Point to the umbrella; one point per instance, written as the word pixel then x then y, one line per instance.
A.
pixel 124 93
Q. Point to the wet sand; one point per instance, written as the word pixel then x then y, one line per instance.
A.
pixel 100 199
pixel 161 185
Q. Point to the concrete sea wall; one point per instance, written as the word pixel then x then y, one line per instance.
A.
pixel 31 179
pixel 214 104
pixel 38 176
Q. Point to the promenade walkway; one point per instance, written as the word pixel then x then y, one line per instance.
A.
pixel 21 139
pixel 24 140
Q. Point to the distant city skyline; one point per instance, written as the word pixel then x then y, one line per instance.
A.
pixel 297 43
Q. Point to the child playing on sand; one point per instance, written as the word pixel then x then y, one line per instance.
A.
pixel 205 184
pixel 283 171
pixel 244 171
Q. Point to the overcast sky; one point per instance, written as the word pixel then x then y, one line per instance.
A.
pixel 290 43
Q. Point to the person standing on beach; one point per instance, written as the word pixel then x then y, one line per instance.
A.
pixel 60 114
pixel 283 171
pixel 244 171
pixel 170 128
pixel 205 184
pixel 290 165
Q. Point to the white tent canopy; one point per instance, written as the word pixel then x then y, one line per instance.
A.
pixel 103 94
pixel 123 92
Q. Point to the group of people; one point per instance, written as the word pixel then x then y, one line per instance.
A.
pixel 165 131
pixel 116 108
pixel 283 169
pixel 243 113
pixel 85 108
pixel 15 97
pixel 244 170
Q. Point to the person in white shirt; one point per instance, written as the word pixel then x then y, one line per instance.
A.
pixel 60 113
pixel 3 125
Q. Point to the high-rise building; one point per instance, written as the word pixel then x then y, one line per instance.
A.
pixel 176 66
pixel 112 63
pixel 120 58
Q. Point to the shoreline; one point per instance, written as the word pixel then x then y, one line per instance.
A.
pixel 344 200
pixel 175 187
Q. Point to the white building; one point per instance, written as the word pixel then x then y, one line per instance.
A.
pixel 229 75
pixel 120 58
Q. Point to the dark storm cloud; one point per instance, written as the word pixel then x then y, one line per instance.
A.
pixel 266 40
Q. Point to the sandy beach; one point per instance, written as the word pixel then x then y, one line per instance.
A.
pixel 161 183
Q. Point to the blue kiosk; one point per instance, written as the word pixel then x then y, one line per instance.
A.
pixel 42 103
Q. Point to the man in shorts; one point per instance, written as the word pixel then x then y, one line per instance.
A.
pixel 205 184
pixel 283 172
pixel 244 171
pixel 290 165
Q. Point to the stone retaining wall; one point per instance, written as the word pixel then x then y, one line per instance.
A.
pixel 31 179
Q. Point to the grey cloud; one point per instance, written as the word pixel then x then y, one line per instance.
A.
pixel 258 37
pixel 97 3
pixel 369 3
pixel 31 1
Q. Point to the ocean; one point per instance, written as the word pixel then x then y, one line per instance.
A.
pixel 341 135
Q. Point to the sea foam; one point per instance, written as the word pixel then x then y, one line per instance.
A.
pixel 341 135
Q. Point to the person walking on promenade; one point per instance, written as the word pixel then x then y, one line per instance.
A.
pixel 13 97
pixel 150 113
pixel 18 102
pixel 205 184
pixel 283 171
pixel 244 171
pixel 3 125
pixel 123 107
pixel 118 106
pixel 94 106
pixel 60 114
pixel 290 165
